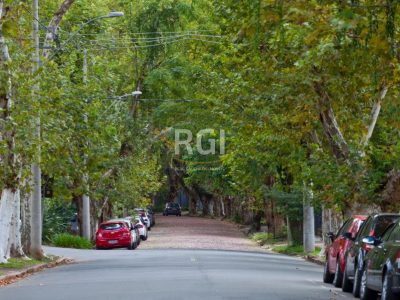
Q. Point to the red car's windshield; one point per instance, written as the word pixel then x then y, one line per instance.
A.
pixel 111 226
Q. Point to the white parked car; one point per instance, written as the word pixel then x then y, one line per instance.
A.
pixel 141 226
pixel 146 217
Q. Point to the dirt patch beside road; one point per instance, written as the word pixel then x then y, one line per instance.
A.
pixel 184 232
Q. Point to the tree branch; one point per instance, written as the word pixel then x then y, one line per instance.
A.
pixel 54 25
pixel 330 125
pixel 375 115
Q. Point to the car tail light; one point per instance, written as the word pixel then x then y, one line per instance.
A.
pixel 397 263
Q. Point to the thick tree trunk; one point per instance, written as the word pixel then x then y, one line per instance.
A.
pixel 10 224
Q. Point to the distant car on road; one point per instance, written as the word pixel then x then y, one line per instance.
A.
pixel 114 234
pixel 374 226
pixel 172 208
pixel 381 273
pixel 335 252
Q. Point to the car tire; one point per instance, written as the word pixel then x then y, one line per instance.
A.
pixel 135 244
pixel 387 293
pixel 130 247
pixel 357 281
pixel 365 292
pixel 338 278
pixel 144 238
pixel 328 277
pixel 347 285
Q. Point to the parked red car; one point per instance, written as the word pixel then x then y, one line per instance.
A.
pixel 335 253
pixel 114 234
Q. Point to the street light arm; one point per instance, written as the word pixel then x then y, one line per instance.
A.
pixel 110 15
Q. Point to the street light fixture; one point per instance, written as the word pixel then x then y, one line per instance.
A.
pixel 115 14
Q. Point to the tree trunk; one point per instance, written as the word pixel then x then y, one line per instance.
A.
pixel 26 222
pixel 329 123
pixel 10 224
pixel 54 25
pixel 308 221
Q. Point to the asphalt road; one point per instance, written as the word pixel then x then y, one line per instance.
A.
pixel 174 274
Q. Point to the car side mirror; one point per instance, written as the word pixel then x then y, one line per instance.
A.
pixel 331 236
pixel 348 235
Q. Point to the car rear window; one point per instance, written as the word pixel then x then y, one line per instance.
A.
pixel 111 226
pixel 382 223
pixel 173 205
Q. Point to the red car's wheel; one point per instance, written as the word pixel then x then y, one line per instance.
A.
pixel 328 277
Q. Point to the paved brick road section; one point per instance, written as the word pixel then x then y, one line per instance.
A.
pixel 185 232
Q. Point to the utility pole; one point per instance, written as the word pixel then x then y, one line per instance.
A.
pixel 85 178
pixel 36 194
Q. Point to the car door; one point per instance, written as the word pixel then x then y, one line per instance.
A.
pixel 354 251
pixel 337 244
pixel 378 259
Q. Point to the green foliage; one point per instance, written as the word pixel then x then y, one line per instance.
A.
pixel 57 215
pixel 295 250
pixel 251 68
pixel 262 238
pixel 66 240
pixel 21 263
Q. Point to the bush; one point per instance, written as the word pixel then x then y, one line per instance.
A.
pixel 295 250
pixel 262 238
pixel 57 215
pixel 237 219
pixel 66 240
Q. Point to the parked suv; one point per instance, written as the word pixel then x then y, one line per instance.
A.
pixel 172 208
pixel 374 226
pixel 382 266
pixel 335 252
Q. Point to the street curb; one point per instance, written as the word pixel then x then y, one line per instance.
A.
pixel 314 260
pixel 10 278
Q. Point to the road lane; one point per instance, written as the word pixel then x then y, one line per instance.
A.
pixel 176 274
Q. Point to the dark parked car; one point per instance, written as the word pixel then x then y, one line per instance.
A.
pixel 374 226
pixel 152 214
pixel 382 266
pixel 335 252
pixel 172 208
